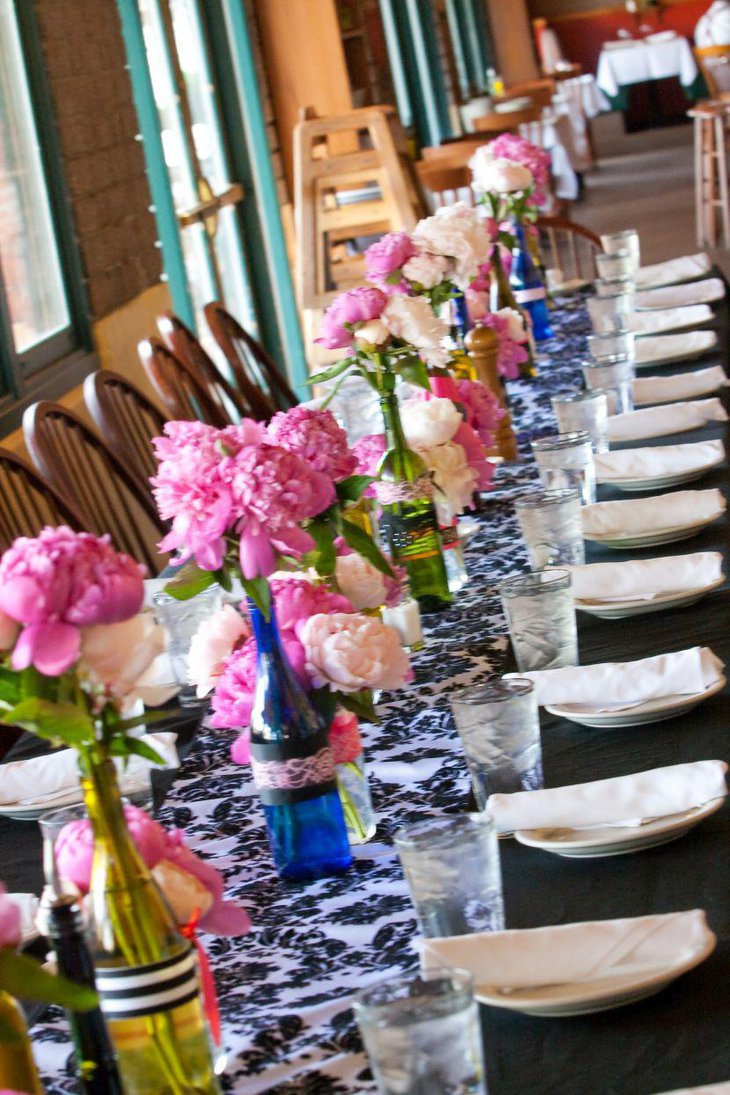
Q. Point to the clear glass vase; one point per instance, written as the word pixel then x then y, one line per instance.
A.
pixel 357 805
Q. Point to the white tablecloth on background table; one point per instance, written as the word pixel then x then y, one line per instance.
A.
pixel 641 61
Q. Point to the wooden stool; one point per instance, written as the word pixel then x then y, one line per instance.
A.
pixel 482 346
pixel 711 172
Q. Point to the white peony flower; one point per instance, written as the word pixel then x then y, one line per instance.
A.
pixel 360 582
pixel 498 176
pixel 373 333
pixel 452 474
pixel 428 422
pixel 115 661
pixel 458 233
pixel 428 270
pixel 516 329
pixel 412 319
pixel 212 643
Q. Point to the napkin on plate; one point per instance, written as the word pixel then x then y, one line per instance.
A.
pixel 677 296
pixel 635 516
pixel 668 319
pixel 670 418
pixel 706 1089
pixel 675 270
pixel 654 461
pixel 644 579
pixel 671 389
pixel 567 953
pixel 38 777
pixel 613 686
pixel 660 347
pixel 656 793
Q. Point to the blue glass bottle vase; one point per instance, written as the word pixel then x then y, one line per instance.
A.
pixel 528 287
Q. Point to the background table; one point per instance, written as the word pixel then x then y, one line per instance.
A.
pixel 639 60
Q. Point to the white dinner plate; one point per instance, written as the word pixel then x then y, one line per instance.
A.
pixel 597 993
pixel 601 841
pixel 678 296
pixel 652 537
pixel 669 349
pixel 616 610
pixel 663 707
pixel 32 809
pixel 662 482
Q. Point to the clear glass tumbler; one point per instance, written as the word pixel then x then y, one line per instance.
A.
pixel 614 375
pixel 499 727
pixel 451 864
pixel 608 313
pixel 617 264
pixel 586 412
pixel 612 346
pixel 628 240
pixel 565 460
pixel 551 526
pixel 541 618
pixel 181 620
pixel 422 1034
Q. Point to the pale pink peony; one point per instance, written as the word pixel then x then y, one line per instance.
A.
pixel 314 435
pixel 212 643
pixel 426 270
pixel 483 409
pixel 9 920
pixel 412 320
pixel 453 476
pixel 511 146
pixel 478 304
pixel 114 658
pixel 369 452
pixel 385 258
pixel 493 174
pixel 58 582
pixel 362 584
pixel 296 599
pixel 428 422
pixel 349 653
pixel 460 234
pixel 515 324
pixel 346 312
pixel 223 917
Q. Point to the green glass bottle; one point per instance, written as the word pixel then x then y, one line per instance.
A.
pixel 17 1067
pixel 501 296
pixel 146 973
pixel 408 521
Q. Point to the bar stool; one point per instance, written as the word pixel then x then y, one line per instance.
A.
pixel 711 172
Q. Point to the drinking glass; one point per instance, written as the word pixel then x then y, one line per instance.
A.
pixel 628 240
pixel 610 287
pixel 422 1034
pixel 613 345
pixel 608 314
pixel 551 527
pixel 585 412
pixel 451 864
pixel 617 264
pixel 566 460
pixel 499 727
pixel 541 618
pixel 181 620
pixel 615 376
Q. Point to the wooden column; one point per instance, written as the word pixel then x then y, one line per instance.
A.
pixel 513 45
pixel 482 346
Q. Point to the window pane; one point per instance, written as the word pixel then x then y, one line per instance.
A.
pixel 31 268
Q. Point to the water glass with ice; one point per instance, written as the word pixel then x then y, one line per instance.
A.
pixel 565 460
pixel 609 313
pixel 551 527
pixel 612 346
pixel 541 619
pixel 612 376
pixel 181 620
pixel 451 864
pixel 499 727
pixel 422 1034
pixel 617 264
pixel 585 412
pixel 611 287
pixel 628 240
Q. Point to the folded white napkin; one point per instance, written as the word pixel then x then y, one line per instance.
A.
pixel 613 686
pixel 38 777
pixel 677 296
pixel 671 418
pixel 650 462
pixel 656 793
pixel 671 389
pixel 644 579
pixel 662 347
pixel 569 952
pixel 706 1089
pixel 633 516
pixel 675 270
pixel 668 319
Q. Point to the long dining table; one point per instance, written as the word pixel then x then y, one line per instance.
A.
pixel 286 988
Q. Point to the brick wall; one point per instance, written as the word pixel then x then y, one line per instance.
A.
pixel 103 161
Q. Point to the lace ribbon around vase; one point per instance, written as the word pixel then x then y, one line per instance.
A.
pixel 389 494
pixel 294 773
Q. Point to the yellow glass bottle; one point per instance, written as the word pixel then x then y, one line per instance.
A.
pixel 17 1067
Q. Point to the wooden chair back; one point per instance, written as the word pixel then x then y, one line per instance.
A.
pixel 237 404
pixel 445 185
pixel 507 122
pixel 568 247
pixel 540 91
pixel 184 394
pixel 28 503
pixel 92 479
pixel 126 419
pixel 253 367
pixel 714 64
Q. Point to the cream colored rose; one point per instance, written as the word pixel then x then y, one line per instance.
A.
pixel 499 176
pixel 516 329
pixel 452 474
pixel 429 422
pixel 348 652
pixel 373 333
pixel 212 643
pixel 184 892
pixel 360 582
pixel 114 659
pixel 412 319
pixel 458 233
pixel 427 270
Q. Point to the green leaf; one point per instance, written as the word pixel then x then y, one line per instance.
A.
pixel 224 579
pixel 189 582
pixel 260 593
pixel 140 720
pixel 360 703
pixel 324 557
pixel 414 371
pixel 9 686
pixel 332 393
pixel 334 370
pixel 21 976
pixel 56 722
pixel 364 545
pixel 351 489
pixel 124 747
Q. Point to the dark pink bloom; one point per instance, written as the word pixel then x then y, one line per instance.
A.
pixel 483 410
pixel 346 311
pixel 58 582
pixel 369 451
pixel 316 436
pixel 474 450
pixel 232 699
pixel 481 281
pixel 75 845
pixel 511 354
pixel 386 257
pixel 510 146
pixel 296 599
pixel 9 920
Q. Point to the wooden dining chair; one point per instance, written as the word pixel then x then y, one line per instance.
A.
pixel 507 121
pixel 444 185
pixel 94 481
pixel 183 342
pixel 252 366
pixel 28 503
pixel 568 247
pixel 540 91
pixel 183 392
pixel 714 64
pixel 126 419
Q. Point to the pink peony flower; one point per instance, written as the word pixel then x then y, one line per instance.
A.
pixel 232 699
pixel 369 451
pixel 349 653
pixel 9 920
pixel 386 257
pixel 296 599
pixel 223 918
pixel 483 410
pixel 511 146
pixel 482 280
pixel 114 658
pixel 212 643
pixel 347 311
pixel 315 436
pixel 473 447
pixel 58 582
pixel 478 304
pixel 75 845
pixel 360 581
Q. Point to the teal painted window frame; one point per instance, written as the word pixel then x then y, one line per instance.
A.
pixel 412 43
